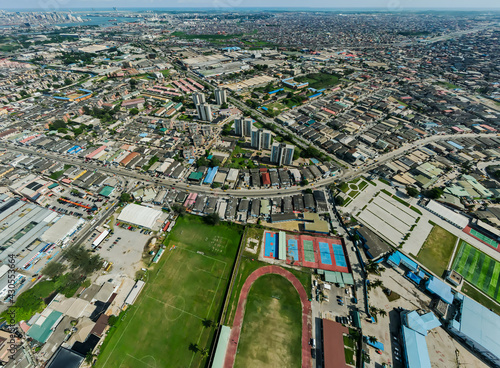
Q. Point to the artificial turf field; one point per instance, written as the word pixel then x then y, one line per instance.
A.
pixel 272 325
pixel 184 289
pixel 479 269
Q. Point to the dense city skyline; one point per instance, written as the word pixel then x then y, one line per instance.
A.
pixel 218 185
pixel 389 5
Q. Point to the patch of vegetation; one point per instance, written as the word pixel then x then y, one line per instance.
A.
pixel 436 252
pixel 273 304
pixel 319 80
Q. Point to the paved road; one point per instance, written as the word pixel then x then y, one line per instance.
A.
pixel 483 165
pixel 255 193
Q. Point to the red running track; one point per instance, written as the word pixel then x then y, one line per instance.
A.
pixel 238 318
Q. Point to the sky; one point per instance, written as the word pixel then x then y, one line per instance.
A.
pixel 400 5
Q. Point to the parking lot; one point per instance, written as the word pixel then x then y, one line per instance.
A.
pixel 124 248
pixel 75 202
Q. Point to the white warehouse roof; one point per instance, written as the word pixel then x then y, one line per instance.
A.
pixel 445 213
pixel 139 215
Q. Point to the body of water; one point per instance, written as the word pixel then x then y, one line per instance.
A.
pixel 97 21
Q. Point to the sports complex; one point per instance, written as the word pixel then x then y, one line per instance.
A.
pixel 479 269
pixel 325 253
pixel 182 292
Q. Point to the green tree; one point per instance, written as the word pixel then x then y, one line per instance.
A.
pixel 434 193
pixel 412 192
pixel 214 162
pixel 339 201
pixel 212 219
pixel 53 269
pixel 113 320
pixel 125 197
pixel 134 111
pixel 89 357
pixel 57 124
pixel 372 339
pixel 204 353
pixel 304 182
pixel 207 323
pixel 179 209
pixel 202 161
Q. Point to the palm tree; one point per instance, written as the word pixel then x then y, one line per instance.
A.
pixel 207 323
pixel 373 311
pixel 371 267
pixel 372 339
pixel 194 347
pixel 89 357
pixel 204 352
pixel 382 312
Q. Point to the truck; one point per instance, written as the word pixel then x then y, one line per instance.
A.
pixel 97 241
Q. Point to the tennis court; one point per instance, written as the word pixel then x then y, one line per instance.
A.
pixel 476 234
pixel 270 245
pixel 324 252
pixel 479 269
pixel 293 250
pixel 308 250
pixel 339 255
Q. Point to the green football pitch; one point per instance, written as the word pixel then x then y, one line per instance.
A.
pixel 479 269
pixel 166 327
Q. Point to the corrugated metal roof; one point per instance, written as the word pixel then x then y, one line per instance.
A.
pixel 220 352
pixel 417 355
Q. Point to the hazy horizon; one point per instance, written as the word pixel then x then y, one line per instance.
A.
pixel 387 5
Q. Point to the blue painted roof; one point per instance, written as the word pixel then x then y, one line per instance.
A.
pixel 439 288
pixel 456 145
pixel 376 344
pixel 276 91
pixel 416 279
pixel 209 178
pixel 423 323
pixel 480 325
pixel 415 347
pixel 316 95
pixel 398 258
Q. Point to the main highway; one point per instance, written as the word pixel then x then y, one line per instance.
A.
pixel 345 175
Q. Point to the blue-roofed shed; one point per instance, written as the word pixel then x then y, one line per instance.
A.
pixel 412 277
pixel 397 258
pixel 439 288
pixel 423 323
pixel 415 349
pixel 276 91
pixel 375 344
pixel 209 178
pixel 456 145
